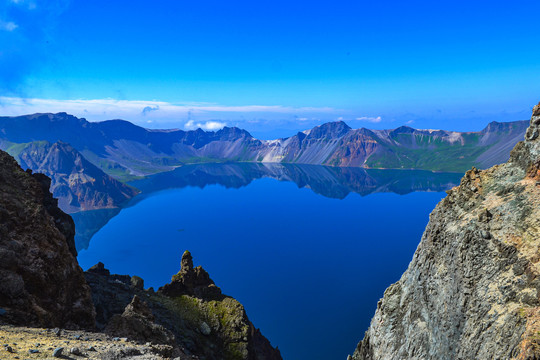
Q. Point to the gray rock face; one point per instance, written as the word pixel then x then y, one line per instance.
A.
pixel 137 323
pixel 472 288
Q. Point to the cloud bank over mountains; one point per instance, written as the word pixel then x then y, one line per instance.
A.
pixel 262 121
pixel 161 114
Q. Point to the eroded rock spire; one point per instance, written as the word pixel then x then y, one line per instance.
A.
pixel 186 264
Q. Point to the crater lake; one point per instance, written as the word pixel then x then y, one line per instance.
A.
pixel 308 250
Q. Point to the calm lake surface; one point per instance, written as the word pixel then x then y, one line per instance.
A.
pixel 308 250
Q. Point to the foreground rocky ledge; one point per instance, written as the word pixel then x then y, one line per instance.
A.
pixel 38 343
pixel 472 288
pixel 190 314
pixel 42 286
pixel 187 319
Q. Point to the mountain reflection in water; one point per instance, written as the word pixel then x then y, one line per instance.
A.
pixel 331 182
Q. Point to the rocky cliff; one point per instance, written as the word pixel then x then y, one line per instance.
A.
pixel 41 281
pixel 472 288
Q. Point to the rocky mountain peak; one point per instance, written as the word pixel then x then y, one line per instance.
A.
pixel 79 184
pixel 493 127
pixel 232 133
pixel 403 130
pixel 330 130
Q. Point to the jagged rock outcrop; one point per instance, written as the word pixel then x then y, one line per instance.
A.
pixel 472 288
pixel 191 281
pixel 41 281
pixel 202 321
pixel 137 323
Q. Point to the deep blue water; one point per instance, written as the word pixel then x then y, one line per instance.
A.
pixel 308 268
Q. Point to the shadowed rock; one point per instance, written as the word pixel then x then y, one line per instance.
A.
pixel 99 268
pixel 137 323
pixel 191 281
pixel 41 281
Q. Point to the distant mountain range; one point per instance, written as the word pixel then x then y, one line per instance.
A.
pixel 117 149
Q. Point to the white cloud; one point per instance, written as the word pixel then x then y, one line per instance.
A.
pixel 31 4
pixel 209 125
pixel 20 105
pixel 8 25
pixel 377 119
pixel 160 113
pixel 410 122
pixel 166 115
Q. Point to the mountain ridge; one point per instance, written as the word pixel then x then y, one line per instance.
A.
pixel 119 147
pixel 100 153
pixel 78 184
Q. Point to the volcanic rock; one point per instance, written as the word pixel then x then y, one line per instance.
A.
pixel 42 283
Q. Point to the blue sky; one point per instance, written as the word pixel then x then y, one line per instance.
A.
pixel 272 67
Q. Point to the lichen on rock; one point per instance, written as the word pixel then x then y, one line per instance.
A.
pixel 190 314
